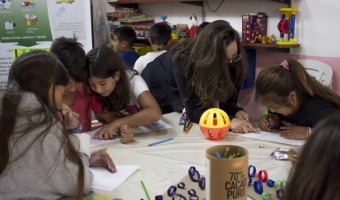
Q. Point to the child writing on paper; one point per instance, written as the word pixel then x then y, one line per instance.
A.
pixel 120 95
pixel 73 57
pixel 39 158
pixel 296 101
pixel 160 38
pixel 123 39
pixel 317 173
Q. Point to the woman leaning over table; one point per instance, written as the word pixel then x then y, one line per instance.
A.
pixel 203 73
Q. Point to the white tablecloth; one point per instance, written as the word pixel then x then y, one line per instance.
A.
pixel 166 164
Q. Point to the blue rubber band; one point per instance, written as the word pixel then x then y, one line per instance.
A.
pixel 181 197
pixel 181 185
pixel 201 183
pixel 172 191
pixel 270 183
pixel 193 197
pixel 258 187
pixel 250 181
pixel 192 192
pixel 192 173
pixel 254 171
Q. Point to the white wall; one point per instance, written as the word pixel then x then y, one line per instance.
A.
pixel 317 28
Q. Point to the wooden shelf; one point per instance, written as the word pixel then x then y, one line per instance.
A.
pixel 271 47
pixel 193 2
pixel 260 45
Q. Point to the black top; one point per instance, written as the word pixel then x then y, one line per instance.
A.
pixel 311 111
pixel 168 84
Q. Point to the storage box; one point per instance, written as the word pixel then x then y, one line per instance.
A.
pixel 253 25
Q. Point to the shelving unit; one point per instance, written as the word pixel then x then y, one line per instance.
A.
pixel 260 46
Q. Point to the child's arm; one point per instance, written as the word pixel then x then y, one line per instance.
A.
pixel 295 132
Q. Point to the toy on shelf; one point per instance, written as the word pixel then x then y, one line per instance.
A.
pixel 193 29
pixel 214 123
pixel 286 26
pixel 264 39
pixel 163 17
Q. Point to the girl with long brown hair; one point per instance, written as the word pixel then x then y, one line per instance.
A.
pixel 296 101
pixel 39 158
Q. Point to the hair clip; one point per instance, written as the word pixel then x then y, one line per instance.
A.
pixel 285 65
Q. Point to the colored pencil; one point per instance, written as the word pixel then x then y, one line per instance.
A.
pixel 145 190
pixel 159 142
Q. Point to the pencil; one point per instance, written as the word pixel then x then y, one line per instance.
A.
pixel 218 155
pixel 57 107
pixel 226 152
pixel 159 142
pixel 187 129
pixel 185 125
pixel 146 192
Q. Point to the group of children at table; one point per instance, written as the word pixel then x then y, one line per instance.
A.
pixel 46 89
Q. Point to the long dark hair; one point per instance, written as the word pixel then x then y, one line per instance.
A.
pixel 317 172
pixel 211 77
pixel 103 62
pixel 35 72
pixel 275 82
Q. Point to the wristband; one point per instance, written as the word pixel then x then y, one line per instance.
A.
pixel 258 187
pixel 254 171
pixel 263 176
pixel 181 197
pixel 172 191
pixel 280 193
pixel 280 184
pixel 181 185
pixel 266 196
pixel 194 174
pixel 192 192
pixel 77 129
pixel 270 183
pixel 193 197
pixel 201 183
pixel 250 181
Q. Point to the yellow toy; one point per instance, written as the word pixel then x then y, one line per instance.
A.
pixel 264 39
pixel 214 123
pixel 286 26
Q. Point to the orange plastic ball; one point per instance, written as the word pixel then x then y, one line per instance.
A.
pixel 214 123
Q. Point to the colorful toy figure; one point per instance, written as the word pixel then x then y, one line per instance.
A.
pixel 286 26
pixel 193 29
pixel 214 123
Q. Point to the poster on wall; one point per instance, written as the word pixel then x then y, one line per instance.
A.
pixel 33 24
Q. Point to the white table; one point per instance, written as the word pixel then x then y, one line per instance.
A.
pixel 166 164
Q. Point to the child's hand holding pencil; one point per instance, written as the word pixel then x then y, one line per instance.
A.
pixel 67 116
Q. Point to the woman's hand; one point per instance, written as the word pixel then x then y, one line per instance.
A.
pixel 294 132
pixel 126 134
pixel 243 115
pixel 238 125
pixel 101 158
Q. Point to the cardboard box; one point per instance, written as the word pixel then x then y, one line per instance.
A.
pixel 254 25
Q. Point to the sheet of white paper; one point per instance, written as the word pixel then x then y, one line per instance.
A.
pixel 96 142
pixel 105 180
pixel 159 125
pixel 273 137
